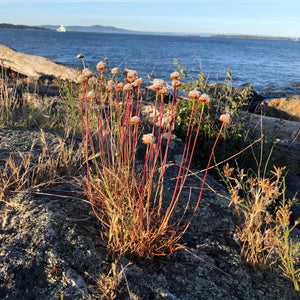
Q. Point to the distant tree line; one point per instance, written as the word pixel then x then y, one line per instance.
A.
pixel 12 26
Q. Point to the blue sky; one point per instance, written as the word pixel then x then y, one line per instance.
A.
pixel 261 17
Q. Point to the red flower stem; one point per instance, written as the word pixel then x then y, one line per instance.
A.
pixel 143 187
pixel 82 108
pixel 160 124
pixel 193 115
pixel 207 167
pixel 100 117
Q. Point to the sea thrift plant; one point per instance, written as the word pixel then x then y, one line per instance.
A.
pixel 128 198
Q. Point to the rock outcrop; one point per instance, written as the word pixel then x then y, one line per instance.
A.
pixel 34 67
pixel 285 108
pixel 51 248
pixel 287 132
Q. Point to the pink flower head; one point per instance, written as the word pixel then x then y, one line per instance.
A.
pixel 204 98
pixel 101 66
pixel 225 118
pixel 87 73
pixel 148 139
pixel 194 94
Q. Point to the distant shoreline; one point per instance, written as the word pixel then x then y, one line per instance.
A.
pixel 256 37
pixel 110 29
pixel 12 26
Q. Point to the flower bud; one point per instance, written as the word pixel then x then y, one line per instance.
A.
pixel 204 98
pixel 175 83
pixel 140 81
pixel 148 139
pixel 101 66
pixel 225 118
pixel 163 91
pixel 127 87
pixel 91 95
pixel 82 79
pixel 131 75
pixel 175 76
pixel 87 73
pixel 115 71
pixel 194 94
pixel 135 120
pixel 158 84
pixel 109 88
pixel 120 86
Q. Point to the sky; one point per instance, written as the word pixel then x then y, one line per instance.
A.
pixel 257 17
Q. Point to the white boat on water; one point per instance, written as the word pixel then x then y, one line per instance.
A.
pixel 61 29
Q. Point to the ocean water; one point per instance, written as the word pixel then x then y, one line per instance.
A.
pixel 272 66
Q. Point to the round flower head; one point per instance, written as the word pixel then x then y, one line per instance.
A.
pixel 158 84
pixel 82 79
pixel 120 86
pixel 175 76
pixel 91 95
pixel 194 94
pixel 204 98
pixel 87 73
pixel 131 75
pixel 109 88
pixel 148 139
pixel 134 84
pixel 115 71
pixel 80 56
pixel 140 81
pixel 101 66
pixel 110 82
pixel 127 87
pixel 225 118
pixel 175 83
pixel 163 91
pixel 135 120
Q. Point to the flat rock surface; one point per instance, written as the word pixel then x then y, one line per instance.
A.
pixel 51 248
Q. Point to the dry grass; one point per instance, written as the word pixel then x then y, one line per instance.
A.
pixel 262 232
pixel 109 283
pixel 23 171
pixel 287 249
pixel 252 197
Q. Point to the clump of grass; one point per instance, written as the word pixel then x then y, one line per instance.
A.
pixel 26 104
pixel 128 198
pixel 252 197
pixel 264 225
pixel 23 171
pixel 287 249
pixel 108 283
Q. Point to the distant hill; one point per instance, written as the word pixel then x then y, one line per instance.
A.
pixel 104 29
pixel 94 28
pixel 12 26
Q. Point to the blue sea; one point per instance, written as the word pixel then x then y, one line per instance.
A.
pixel 272 66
